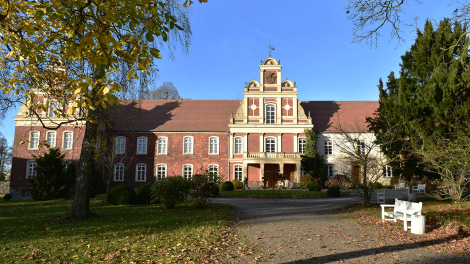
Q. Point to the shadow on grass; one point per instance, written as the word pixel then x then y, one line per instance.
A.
pixel 385 249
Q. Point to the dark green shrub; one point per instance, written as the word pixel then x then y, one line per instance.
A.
pixel 211 189
pixel 314 187
pixel 143 193
pixel 203 186
pixel 121 194
pixel 378 185
pixel 171 191
pixel 333 192
pixel 227 186
pixel 7 197
pixel 237 184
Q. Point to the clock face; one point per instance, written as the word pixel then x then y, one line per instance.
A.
pixel 270 77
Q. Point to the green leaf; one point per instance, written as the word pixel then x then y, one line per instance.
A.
pixel 149 37
pixel 155 53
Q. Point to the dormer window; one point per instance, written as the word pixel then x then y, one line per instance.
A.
pixel 270 114
pixel 54 106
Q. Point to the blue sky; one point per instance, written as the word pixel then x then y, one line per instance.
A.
pixel 311 38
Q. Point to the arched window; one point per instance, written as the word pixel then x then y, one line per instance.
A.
pixel 238 173
pixel 142 145
pixel 31 169
pixel 270 144
pixel 68 140
pixel 120 145
pixel 34 140
pixel 270 114
pixel 302 145
pixel 188 145
pixel 51 139
pixel 119 172
pixel 141 172
pixel 161 172
pixel 187 171
pixel 238 145
pixel 328 147
pixel 213 172
pixel 162 145
pixel 213 145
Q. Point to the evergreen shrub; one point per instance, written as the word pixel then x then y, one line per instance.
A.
pixel 7 197
pixel 143 193
pixel 314 187
pixel 333 192
pixel 172 191
pixel 237 184
pixel 121 195
pixel 227 186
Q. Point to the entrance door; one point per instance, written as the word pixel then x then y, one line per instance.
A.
pixel 356 173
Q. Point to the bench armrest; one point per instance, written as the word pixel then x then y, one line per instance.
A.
pixel 387 205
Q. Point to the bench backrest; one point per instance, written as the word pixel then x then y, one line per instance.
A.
pixel 422 186
pixel 401 206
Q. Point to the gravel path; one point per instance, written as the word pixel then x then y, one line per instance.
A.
pixel 306 231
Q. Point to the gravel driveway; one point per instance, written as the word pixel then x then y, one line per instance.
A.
pixel 306 231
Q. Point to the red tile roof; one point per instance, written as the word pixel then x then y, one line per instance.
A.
pixel 214 115
pixel 350 115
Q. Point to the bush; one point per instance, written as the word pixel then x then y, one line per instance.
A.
pixel 172 191
pixel 333 192
pixel 227 186
pixel 306 180
pixel 143 193
pixel 314 187
pixel 203 186
pixel 378 185
pixel 7 197
pixel 237 184
pixel 121 194
pixel 337 181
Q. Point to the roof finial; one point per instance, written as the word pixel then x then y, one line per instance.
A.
pixel 231 115
pixel 295 83
pixel 308 114
pixel 245 83
pixel 270 47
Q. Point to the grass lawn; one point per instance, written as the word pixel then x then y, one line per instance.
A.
pixel 271 194
pixel 39 232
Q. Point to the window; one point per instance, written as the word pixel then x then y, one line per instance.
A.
pixel 214 145
pixel 68 140
pixel 118 172
pixel 31 169
pixel 187 171
pixel 302 145
pixel 328 147
pixel 213 172
pixel 141 170
pixel 188 145
pixel 238 145
pixel 238 173
pixel 331 171
pixel 161 172
pixel 34 140
pixel 361 147
pixel 302 170
pixel 65 164
pixel 120 145
pixel 142 145
pixel 162 145
pixel 51 139
pixel 388 171
pixel 270 114
pixel 270 145
pixel 54 106
pixel 24 193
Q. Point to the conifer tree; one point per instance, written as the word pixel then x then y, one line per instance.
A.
pixel 428 100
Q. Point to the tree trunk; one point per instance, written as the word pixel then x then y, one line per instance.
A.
pixel 81 203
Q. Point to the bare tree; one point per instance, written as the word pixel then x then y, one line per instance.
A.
pixel 6 155
pixel 165 92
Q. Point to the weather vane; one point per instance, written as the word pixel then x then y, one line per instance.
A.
pixel 270 47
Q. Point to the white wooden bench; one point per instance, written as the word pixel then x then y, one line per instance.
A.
pixel 402 210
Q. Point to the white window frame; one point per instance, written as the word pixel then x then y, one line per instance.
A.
pixel 141 172
pixel 328 147
pixel 238 172
pixel 210 169
pixel 330 170
pixel 268 120
pixel 25 193
pixel 160 177
pixel 120 146
pixel 36 145
pixel 214 150
pixel 64 140
pixel 162 146
pixel 361 146
pixel 238 145
pixel 51 110
pixel 302 170
pixel 188 167
pixel 302 145
pixel 266 144
pixel 388 169
pixel 50 142
pixel 121 178
pixel 31 164
pixel 143 149
pixel 188 149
